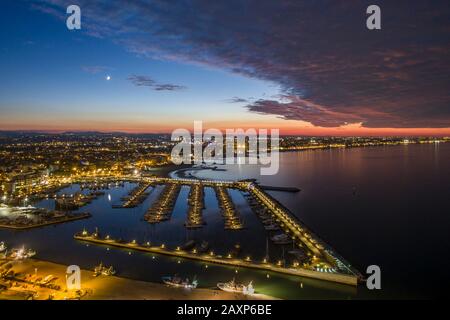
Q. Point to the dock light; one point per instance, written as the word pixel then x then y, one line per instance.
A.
pixel 107 249
pixel 153 257
pixel 279 263
pixel 247 259
pixel 178 261
pixel 211 253
pixel 206 266
pixel 129 253
pixel 229 255
pixel 236 271
pixel 107 237
pixel 133 242
pixel 194 251
pixel 301 285
pixel 267 276
pixel 147 243
pixel 178 249
pixel 264 260
pixel 163 246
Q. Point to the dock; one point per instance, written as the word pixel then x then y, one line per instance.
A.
pixel 162 208
pixel 196 206
pixel 63 219
pixel 135 197
pixel 285 189
pixel 229 212
pixel 313 254
pixel 216 259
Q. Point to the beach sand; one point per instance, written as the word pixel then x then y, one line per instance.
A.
pixel 110 288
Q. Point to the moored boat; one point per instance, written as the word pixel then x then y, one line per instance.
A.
pixel 272 227
pixel 102 270
pixel 204 246
pixel 281 239
pixel 232 286
pixel 177 282
pixel 22 253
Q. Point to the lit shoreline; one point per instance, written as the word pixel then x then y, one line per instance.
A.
pixel 111 287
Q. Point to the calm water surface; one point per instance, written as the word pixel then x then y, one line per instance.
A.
pixel 385 206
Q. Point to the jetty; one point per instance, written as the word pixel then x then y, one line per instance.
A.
pixel 162 208
pixel 135 197
pixel 196 206
pixel 217 259
pixel 285 189
pixel 229 212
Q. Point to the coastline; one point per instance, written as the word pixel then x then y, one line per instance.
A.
pixel 111 287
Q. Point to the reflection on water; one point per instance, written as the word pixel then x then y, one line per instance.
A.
pixel 383 205
pixel 56 243
pixel 369 204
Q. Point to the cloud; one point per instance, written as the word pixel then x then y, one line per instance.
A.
pixel 95 69
pixel 145 81
pixel 320 52
pixel 236 100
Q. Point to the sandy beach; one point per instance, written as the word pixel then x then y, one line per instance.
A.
pixel 105 288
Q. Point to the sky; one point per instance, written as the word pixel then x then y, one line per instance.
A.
pixel 305 67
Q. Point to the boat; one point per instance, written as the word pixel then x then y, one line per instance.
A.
pixel 281 239
pixel 204 246
pixel 102 270
pixel 188 245
pixel 108 271
pixel 272 227
pixel 177 282
pixel 2 246
pixel 299 254
pixel 22 253
pixel 236 250
pixel 232 286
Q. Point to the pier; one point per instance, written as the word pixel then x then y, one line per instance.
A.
pixel 74 201
pixel 285 189
pixel 229 213
pixel 162 208
pixel 196 206
pixel 311 253
pixel 136 196
pixel 50 218
pixel 216 259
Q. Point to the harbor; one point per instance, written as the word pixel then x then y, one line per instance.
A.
pixel 162 208
pixel 191 223
pixel 43 280
pixel 135 197
pixel 22 218
pixel 196 206
pixel 217 259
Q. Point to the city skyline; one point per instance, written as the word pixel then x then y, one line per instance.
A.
pixel 158 67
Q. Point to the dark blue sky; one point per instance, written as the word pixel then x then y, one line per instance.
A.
pixel 302 66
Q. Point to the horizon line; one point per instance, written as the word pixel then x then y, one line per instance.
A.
pixel 59 132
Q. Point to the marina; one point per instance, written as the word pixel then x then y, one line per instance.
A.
pixel 135 197
pixel 196 206
pixel 206 224
pixel 311 257
pixel 229 213
pixel 162 208
pixel 212 258
pixel 22 218
pixel 307 255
